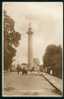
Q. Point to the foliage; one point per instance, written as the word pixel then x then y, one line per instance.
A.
pixel 10 38
pixel 36 61
pixel 53 58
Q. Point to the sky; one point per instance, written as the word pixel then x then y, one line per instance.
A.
pixel 46 22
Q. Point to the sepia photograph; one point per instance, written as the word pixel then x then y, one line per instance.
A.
pixel 32 49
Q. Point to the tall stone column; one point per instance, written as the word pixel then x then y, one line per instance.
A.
pixel 30 50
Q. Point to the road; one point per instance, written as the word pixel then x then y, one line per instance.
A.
pixel 31 84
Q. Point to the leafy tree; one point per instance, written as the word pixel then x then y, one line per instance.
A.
pixel 53 59
pixel 36 61
pixel 10 38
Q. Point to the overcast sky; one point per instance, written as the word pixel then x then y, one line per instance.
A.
pixel 46 22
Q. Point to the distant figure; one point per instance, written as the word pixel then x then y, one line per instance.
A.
pixel 51 71
pixel 18 69
pixel 24 71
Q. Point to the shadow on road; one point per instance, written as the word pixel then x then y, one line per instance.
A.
pixel 9 89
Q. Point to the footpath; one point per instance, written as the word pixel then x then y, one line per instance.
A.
pixel 54 81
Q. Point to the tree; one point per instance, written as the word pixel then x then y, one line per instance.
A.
pixel 53 59
pixel 11 37
pixel 36 64
pixel 36 61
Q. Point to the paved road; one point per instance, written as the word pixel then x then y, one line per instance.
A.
pixel 30 84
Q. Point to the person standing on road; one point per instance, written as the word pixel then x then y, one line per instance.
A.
pixel 18 69
pixel 24 71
